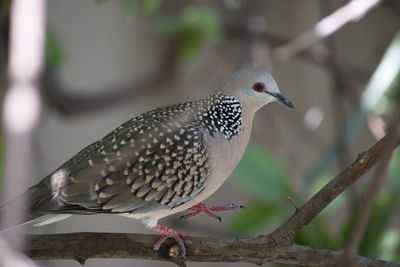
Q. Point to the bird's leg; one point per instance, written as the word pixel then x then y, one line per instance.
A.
pixel 209 210
pixel 167 233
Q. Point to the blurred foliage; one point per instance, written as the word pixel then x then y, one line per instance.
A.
pixel 193 26
pixel 262 175
pixel 129 6
pixel 151 6
pixel 376 239
pixel 265 178
pixel 5 7
pixel 394 172
pixel 318 234
pixel 254 218
pixel 53 50
pixel 5 3
pixel 146 7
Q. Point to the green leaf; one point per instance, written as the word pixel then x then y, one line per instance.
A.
pixel 54 53
pixel 150 6
pixel 253 218
pixel 262 175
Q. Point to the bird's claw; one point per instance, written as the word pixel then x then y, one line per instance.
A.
pixel 169 233
pixel 209 210
pixel 191 215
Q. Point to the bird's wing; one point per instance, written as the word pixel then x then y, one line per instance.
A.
pixel 155 161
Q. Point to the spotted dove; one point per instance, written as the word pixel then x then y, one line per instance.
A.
pixel 159 163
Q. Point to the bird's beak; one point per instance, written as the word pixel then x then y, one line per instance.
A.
pixel 281 98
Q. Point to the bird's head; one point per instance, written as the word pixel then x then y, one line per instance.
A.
pixel 254 88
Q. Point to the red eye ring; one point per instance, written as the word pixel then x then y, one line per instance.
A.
pixel 259 87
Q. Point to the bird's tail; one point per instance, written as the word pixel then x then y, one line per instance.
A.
pixel 30 201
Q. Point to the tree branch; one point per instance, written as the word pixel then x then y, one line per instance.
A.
pixel 275 247
pixel 307 212
pixel 81 246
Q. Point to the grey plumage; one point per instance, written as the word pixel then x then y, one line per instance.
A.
pixel 157 160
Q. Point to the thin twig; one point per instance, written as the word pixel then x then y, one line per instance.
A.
pixel 295 206
pixel 352 11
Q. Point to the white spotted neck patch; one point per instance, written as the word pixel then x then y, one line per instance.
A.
pixel 222 114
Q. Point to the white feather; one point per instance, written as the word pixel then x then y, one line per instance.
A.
pixel 49 218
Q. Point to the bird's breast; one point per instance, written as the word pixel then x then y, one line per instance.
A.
pixel 224 156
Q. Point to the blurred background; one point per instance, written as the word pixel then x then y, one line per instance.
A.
pixel 108 61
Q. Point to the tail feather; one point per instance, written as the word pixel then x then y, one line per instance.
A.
pixel 33 201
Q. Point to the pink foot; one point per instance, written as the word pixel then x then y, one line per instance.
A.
pixel 208 210
pixel 167 233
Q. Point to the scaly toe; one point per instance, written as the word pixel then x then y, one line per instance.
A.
pixel 159 242
pixel 181 243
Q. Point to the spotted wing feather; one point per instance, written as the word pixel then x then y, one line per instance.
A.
pixel 155 161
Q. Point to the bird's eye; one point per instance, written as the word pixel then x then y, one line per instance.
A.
pixel 259 87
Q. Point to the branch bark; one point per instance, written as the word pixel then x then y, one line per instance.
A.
pixel 81 246
pixel 276 247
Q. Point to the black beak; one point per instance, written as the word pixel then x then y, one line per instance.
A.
pixel 281 98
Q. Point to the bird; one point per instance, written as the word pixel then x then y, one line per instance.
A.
pixel 159 163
